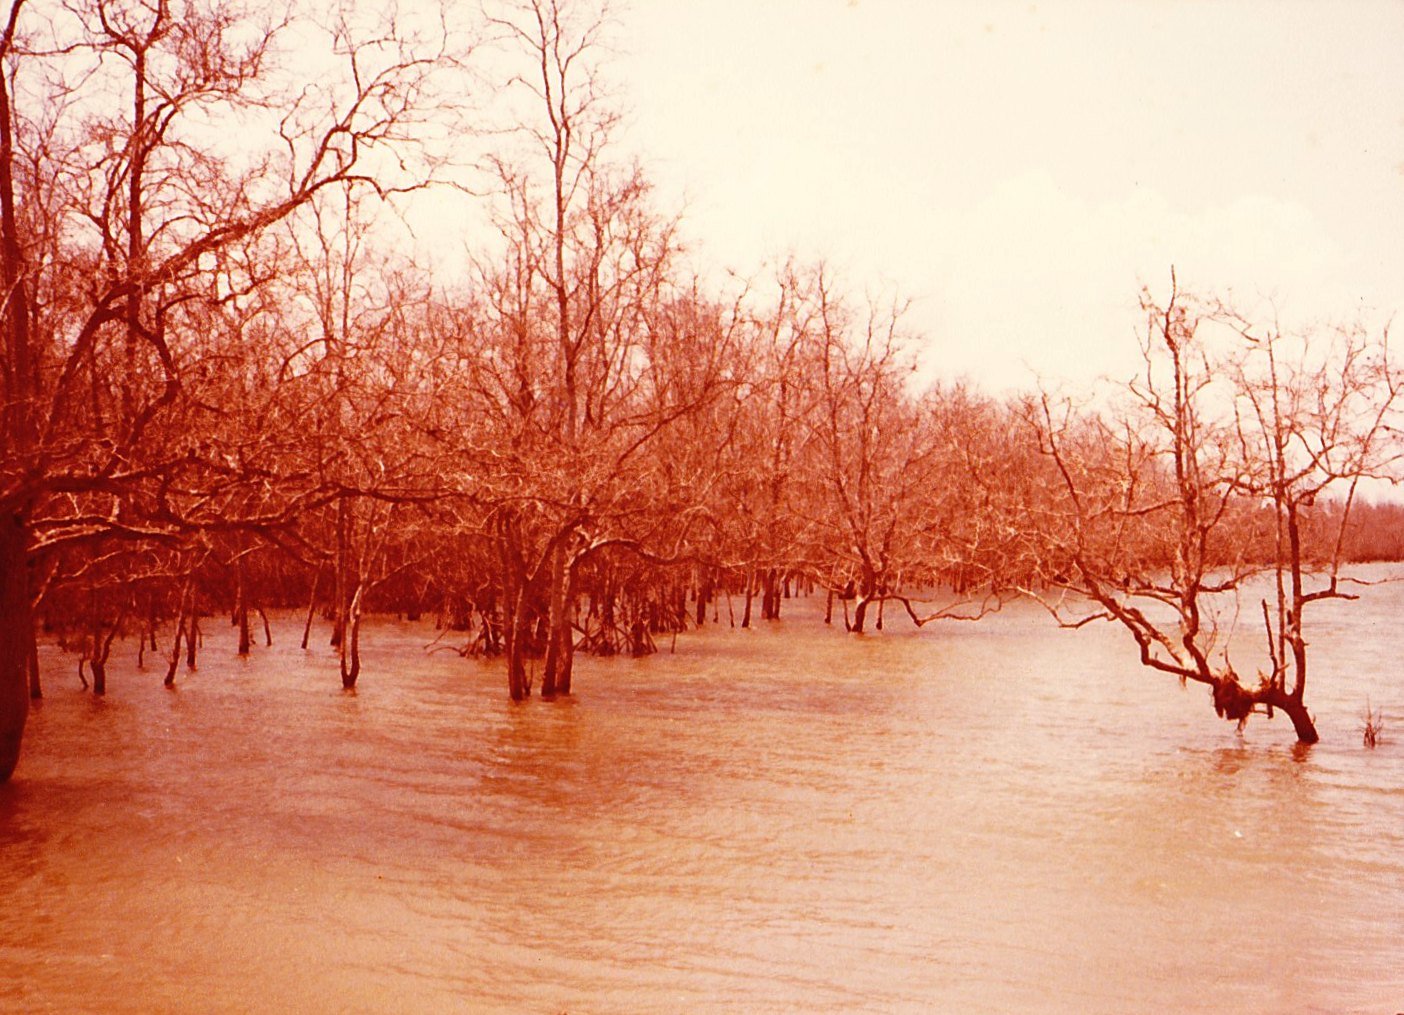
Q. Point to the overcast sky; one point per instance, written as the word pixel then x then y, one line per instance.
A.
pixel 1019 169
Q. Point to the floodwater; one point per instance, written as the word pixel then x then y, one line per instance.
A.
pixel 997 817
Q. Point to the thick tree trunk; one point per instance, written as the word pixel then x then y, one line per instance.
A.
pixel 564 633
pixel 19 387
pixel 566 666
pixel 860 614
pixel 704 596
pixel 1302 723
pixel 558 639
pixel 16 642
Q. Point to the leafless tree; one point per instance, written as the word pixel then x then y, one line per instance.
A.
pixel 1170 509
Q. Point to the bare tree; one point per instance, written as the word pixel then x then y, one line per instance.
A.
pixel 1314 414
pixel 566 314
pixel 1171 510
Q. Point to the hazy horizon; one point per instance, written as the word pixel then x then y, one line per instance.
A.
pixel 1018 169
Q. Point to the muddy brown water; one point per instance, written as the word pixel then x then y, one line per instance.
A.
pixel 998 817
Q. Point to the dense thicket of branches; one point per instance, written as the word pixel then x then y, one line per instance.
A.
pixel 222 392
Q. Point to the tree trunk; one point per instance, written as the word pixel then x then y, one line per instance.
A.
pixel 557 625
pixel 175 646
pixel 16 642
pixel 565 634
pixel 187 598
pixel 492 627
pixel 19 387
pixel 340 592
pixel 704 596
pixel 566 667
pixel 515 638
pixel 860 613
pixel 35 690
pixel 241 606
pixel 192 631
pixel 351 642
pixel 750 592
pixel 1302 723
pixel 311 607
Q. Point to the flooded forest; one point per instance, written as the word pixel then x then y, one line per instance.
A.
pixel 241 420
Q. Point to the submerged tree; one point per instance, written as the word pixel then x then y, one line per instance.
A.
pixel 127 219
pixel 1173 510
pixel 565 374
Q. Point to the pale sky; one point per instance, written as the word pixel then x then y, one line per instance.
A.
pixel 1017 169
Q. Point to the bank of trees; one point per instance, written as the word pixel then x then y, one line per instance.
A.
pixel 223 391
pixel 152 156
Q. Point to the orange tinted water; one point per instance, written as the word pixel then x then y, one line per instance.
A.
pixel 980 818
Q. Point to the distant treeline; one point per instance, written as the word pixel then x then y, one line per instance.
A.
pixel 1375 531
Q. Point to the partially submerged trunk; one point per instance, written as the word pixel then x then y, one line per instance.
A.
pixel 750 593
pixel 175 651
pixel 16 642
pixel 183 629
pixel 1302 723
pixel 860 615
pixel 515 630
pixel 770 595
pixel 311 607
pixel 555 675
pixel 1291 703
pixel 705 591
pixel 351 642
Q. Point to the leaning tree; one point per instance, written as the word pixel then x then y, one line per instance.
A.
pixel 1218 487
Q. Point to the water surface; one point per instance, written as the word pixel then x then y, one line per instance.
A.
pixel 973 818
